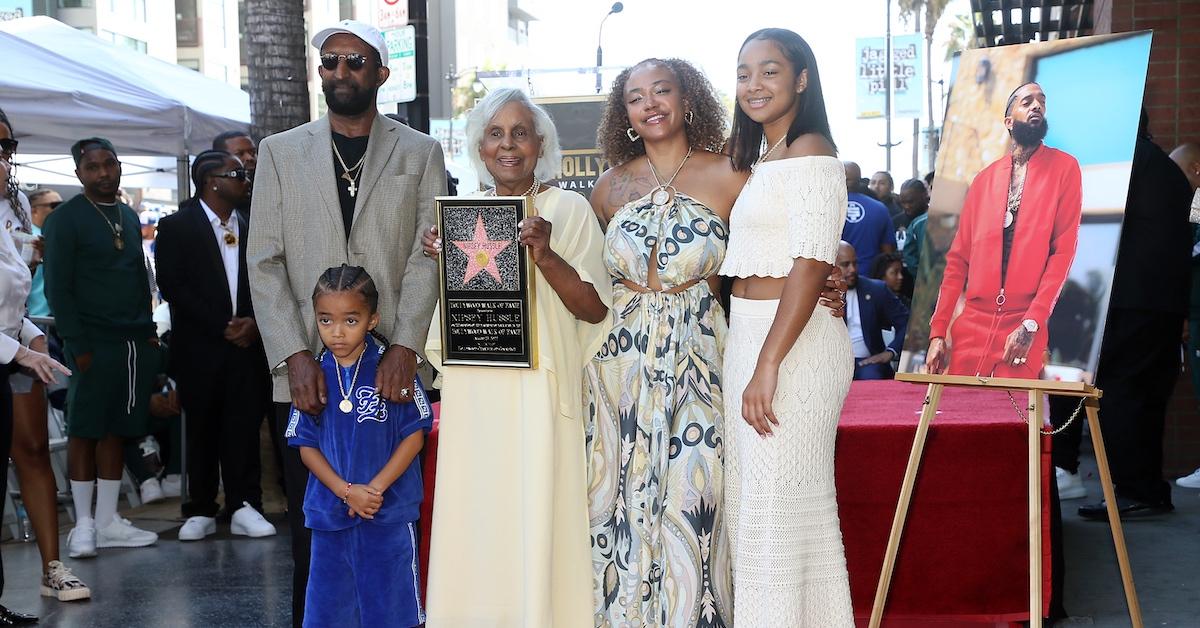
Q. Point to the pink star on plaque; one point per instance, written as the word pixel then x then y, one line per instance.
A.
pixel 481 252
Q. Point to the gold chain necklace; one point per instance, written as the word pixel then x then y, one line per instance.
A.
pixel 346 406
pixel 755 165
pixel 118 231
pixel 664 192
pixel 351 179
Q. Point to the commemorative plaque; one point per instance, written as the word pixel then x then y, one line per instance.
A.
pixel 487 290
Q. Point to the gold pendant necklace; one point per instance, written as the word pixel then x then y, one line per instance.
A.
pixel 230 236
pixel 118 231
pixel 351 179
pixel 663 192
pixel 346 405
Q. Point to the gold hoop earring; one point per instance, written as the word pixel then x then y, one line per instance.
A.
pixel 633 136
pixel 688 117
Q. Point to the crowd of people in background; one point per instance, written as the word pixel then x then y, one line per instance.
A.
pixel 95 269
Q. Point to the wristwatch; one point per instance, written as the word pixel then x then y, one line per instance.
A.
pixel 1030 325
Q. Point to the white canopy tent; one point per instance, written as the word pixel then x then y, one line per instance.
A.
pixel 60 84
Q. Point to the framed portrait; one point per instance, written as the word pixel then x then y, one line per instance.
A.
pixel 1020 240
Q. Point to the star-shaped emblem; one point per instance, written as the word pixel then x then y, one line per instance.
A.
pixel 481 252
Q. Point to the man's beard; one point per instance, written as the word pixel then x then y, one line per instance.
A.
pixel 358 102
pixel 1029 133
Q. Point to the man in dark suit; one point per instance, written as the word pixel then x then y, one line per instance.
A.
pixel 216 352
pixel 1140 353
pixel 871 308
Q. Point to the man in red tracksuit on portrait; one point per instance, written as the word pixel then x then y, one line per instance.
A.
pixel 1014 247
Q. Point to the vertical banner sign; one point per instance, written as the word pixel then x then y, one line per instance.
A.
pixel 908 80
pixel 402 61
pixel 870 77
pixel 577 118
pixel 908 75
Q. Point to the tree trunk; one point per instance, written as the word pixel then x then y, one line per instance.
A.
pixel 278 67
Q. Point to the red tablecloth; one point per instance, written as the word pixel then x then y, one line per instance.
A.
pixel 965 550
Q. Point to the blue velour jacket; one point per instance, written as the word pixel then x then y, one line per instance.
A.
pixel 359 443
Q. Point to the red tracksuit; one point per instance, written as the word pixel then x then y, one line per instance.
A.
pixel 1043 248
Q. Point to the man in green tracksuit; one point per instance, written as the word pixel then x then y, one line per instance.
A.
pixel 98 287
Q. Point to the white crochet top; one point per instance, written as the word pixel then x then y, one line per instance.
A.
pixel 790 208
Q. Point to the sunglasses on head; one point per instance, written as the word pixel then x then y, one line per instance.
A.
pixel 8 145
pixel 354 61
pixel 240 173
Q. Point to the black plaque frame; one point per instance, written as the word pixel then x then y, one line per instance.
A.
pixel 486 320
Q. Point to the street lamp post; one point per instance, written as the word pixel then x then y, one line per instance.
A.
pixel 617 7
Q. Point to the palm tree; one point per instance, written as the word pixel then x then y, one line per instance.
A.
pixel 278 68
pixel 962 35
pixel 933 10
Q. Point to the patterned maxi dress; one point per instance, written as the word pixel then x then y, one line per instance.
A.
pixel 654 432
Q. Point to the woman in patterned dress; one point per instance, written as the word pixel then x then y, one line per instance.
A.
pixel 653 392
pixel 787 371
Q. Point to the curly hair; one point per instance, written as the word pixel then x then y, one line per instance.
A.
pixel 882 261
pixel 706 131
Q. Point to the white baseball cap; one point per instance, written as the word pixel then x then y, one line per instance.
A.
pixel 369 34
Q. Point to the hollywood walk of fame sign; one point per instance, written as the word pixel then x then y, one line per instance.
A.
pixel 487 290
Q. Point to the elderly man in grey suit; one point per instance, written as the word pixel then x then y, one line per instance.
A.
pixel 352 187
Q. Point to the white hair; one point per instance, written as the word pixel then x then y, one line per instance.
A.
pixel 549 163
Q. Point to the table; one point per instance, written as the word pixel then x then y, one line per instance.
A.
pixel 964 559
pixel 964 554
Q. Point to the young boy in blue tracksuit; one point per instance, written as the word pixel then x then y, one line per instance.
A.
pixel 364 490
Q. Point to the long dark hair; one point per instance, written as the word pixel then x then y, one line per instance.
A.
pixel 747 136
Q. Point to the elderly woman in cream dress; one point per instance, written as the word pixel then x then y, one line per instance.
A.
pixel 510 544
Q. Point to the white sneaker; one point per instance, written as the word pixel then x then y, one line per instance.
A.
pixel 121 533
pixel 249 522
pixel 1070 485
pixel 81 540
pixel 171 485
pixel 152 491
pixel 196 528
pixel 1190 481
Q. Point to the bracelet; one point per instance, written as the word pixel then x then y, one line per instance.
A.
pixel 346 496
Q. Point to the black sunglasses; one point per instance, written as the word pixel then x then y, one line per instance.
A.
pixel 240 173
pixel 354 61
pixel 52 204
pixel 8 145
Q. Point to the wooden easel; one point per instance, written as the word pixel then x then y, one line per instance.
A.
pixel 1036 415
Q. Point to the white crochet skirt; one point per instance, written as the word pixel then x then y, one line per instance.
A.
pixel 789 567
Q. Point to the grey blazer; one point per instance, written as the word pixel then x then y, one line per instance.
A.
pixel 296 232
